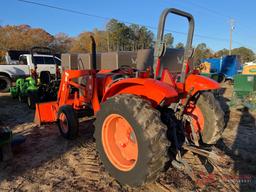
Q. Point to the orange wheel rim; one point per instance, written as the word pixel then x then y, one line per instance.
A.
pixel 119 142
pixel 197 117
pixel 63 123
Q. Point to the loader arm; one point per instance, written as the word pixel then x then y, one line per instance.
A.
pixel 47 112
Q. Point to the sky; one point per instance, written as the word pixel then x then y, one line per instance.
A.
pixel 212 18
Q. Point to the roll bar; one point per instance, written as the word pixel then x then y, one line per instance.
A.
pixel 160 44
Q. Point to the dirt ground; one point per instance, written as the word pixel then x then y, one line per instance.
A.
pixel 48 162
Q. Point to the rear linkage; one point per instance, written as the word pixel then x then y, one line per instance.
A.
pixel 180 141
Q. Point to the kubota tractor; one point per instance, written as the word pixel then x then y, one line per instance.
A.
pixel 142 118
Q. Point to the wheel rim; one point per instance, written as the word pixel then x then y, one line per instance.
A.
pixel 63 123
pixel 197 117
pixel 119 142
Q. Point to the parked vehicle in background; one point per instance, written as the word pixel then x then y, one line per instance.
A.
pixel 249 69
pixel 12 56
pixel 224 68
pixel 231 66
pixel 250 63
pixel 25 67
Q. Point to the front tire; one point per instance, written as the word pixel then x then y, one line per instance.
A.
pixel 68 122
pixel 207 118
pixel 131 139
pixel 5 84
pixel 31 100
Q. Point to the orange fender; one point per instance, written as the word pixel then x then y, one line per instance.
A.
pixel 200 83
pixel 151 89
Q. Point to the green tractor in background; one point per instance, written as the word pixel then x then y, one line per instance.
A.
pixel 28 91
pixel 35 89
pixel 25 89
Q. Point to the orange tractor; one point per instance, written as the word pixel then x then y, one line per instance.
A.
pixel 142 118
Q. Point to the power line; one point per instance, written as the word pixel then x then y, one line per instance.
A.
pixel 217 13
pixel 220 14
pixel 209 10
pixel 108 18
pixel 64 9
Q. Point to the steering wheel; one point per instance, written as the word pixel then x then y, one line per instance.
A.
pixel 127 69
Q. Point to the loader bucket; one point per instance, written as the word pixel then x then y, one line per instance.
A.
pixel 46 112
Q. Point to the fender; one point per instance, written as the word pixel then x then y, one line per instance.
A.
pixel 151 89
pixel 200 83
pixel 6 74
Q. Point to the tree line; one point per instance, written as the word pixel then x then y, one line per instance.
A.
pixel 116 37
pixel 202 51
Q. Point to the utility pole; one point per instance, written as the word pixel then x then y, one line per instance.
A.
pixel 232 27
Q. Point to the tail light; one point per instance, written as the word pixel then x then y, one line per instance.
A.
pixel 158 65
pixel 187 67
pixel 33 72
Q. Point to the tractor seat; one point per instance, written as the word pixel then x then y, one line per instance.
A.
pixel 172 60
pixel 105 79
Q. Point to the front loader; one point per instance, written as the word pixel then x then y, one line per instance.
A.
pixel 140 116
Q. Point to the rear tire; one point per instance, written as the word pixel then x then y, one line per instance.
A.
pixel 5 84
pixel 150 134
pixel 68 122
